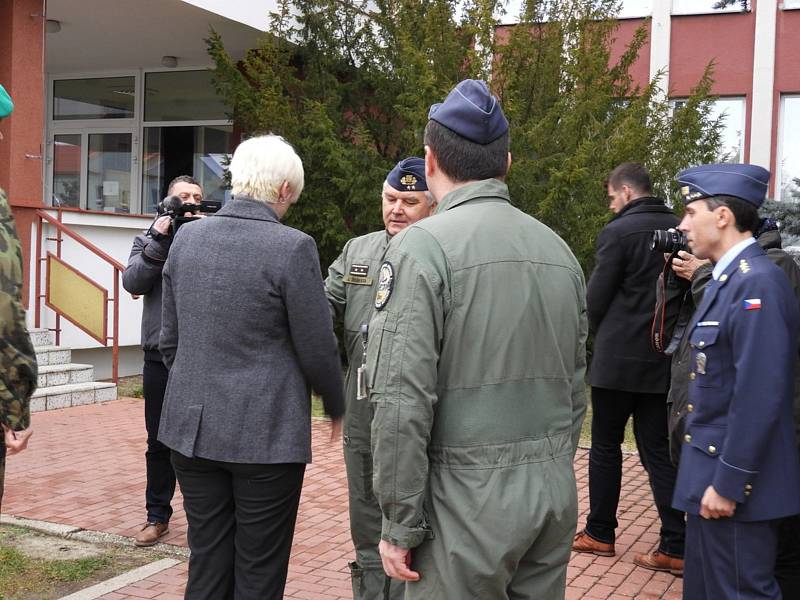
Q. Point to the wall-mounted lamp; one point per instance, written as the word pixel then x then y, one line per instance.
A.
pixel 52 26
pixel 169 61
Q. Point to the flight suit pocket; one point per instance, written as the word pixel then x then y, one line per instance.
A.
pixel 384 326
pixel 705 364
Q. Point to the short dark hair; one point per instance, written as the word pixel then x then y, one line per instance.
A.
pixel 182 179
pixel 462 160
pixel 745 214
pixel 632 174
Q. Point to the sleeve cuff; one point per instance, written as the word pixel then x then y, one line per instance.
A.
pixel 732 482
pixel 156 251
pixel 402 536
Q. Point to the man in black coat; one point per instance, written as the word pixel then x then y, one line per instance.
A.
pixel 628 377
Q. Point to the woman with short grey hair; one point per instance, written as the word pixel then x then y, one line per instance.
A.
pixel 247 334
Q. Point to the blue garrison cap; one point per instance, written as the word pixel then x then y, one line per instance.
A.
pixel 408 175
pixel 748 182
pixel 471 111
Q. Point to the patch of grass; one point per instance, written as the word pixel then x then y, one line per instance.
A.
pixel 130 387
pixel 74 570
pixel 316 406
pixel 23 577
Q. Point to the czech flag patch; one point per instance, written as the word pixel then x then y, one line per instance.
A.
pixel 752 304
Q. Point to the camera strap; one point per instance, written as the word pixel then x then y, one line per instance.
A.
pixel 671 315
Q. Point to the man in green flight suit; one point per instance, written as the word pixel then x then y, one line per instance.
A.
pixel 351 291
pixel 475 363
pixel 17 357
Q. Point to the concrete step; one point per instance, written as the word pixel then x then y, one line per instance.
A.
pixel 53 355
pixel 42 337
pixel 52 375
pixel 74 394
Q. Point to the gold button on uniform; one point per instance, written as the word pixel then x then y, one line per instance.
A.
pixel 687 438
pixel 692 376
pixel 690 407
pixel 701 343
pixel 747 492
pixel 748 487
pixel 712 449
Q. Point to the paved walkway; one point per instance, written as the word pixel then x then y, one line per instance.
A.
pixel 85 468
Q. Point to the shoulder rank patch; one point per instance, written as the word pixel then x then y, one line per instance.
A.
pixel 752 304
pixel 385 285
pixel 358 275
pixel 744 267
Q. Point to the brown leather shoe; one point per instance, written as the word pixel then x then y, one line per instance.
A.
pixel 583 542
pixel 658 561
pixel 150 533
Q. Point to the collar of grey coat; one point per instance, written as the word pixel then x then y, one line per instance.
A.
pixel 242 207
pixel 484 189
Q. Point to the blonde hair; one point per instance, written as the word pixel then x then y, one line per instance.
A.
pixel 261 164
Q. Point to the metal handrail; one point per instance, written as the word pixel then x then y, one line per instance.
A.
pixel 117 266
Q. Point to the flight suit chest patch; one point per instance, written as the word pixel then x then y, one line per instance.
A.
pixel 358 275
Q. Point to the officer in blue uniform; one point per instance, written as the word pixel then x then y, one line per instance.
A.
pixel 739 471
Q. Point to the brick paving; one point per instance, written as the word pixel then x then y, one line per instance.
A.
pixel 85 468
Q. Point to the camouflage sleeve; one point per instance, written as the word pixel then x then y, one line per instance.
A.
pixel 17 357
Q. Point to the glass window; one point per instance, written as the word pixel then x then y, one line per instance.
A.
pixel 789 166
pixel 200 151
pixel 700 7
pixel 182 96
pixel 100 98
pixel 790 4
pixel 67 170
pixel 732 112
pixel 635 8
pixel 109 172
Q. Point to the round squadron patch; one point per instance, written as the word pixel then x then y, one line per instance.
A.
pixel 385 285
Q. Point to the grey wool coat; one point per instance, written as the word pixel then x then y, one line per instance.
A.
pixel 247 334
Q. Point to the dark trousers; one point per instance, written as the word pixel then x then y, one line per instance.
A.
pixel 610 412
pixel 160 475
pixel 787 565
pixel 241 523
pixel 730 559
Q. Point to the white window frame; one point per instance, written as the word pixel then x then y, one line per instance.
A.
pixel 743 123
pixel 135 126
pixel 684 7
pixel 790 5
pixel 779 153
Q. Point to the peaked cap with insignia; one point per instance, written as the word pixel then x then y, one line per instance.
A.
pixel 471 111
pixel 748 182
pixel 408 175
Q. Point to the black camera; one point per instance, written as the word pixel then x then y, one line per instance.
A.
pixel 670 241
pixel 183 212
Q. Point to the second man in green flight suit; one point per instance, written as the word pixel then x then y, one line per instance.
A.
pixel 475 363
pixel 350 288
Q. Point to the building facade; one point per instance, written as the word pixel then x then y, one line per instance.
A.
pixel 113 99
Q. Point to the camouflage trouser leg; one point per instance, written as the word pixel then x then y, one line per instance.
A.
pixel 2 469
pixel 499 534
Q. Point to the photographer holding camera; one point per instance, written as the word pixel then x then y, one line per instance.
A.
pixel 628 377
pixel 143 277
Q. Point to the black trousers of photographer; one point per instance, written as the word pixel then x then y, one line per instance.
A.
pixel 610 412
pixel 160 486
pixel 241 523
